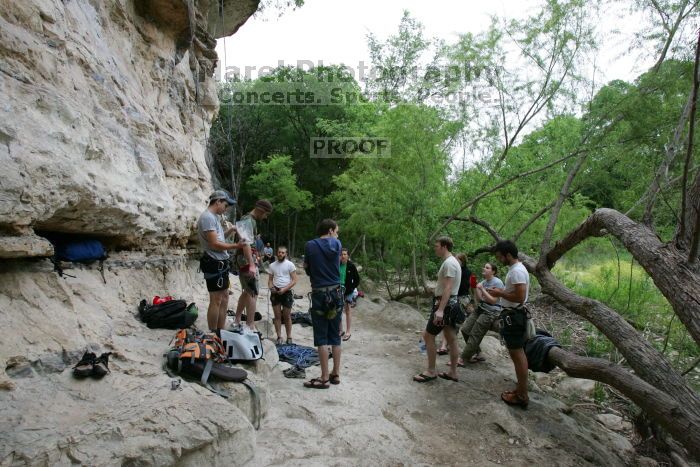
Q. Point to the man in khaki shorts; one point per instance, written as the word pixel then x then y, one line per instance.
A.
pixel 247 271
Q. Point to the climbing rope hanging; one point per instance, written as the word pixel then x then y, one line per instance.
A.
pixel 234 189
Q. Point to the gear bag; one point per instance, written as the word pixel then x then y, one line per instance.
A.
pixel 173 314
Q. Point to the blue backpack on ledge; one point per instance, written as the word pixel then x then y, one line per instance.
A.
pixel 80 251
pixel 77 250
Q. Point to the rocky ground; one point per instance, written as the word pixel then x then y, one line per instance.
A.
pixel 377 415
pixel 131 416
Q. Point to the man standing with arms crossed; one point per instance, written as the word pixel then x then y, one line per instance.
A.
pixel 514 317
pixel 280 281
pixel 322 265
pixel 444 313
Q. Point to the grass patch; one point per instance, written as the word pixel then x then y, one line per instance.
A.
pixel 600 271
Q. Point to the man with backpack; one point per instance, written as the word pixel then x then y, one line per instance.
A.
pixel 322 265
pixel 247 269
pixel 514 317
pixel 214 262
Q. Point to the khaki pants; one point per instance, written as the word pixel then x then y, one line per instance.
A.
pixel 477 324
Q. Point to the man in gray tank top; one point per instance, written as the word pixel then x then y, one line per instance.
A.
pixel 214 262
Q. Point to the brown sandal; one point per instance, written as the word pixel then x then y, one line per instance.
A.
pixel 316 383
pixel 334 379
pixel 513 398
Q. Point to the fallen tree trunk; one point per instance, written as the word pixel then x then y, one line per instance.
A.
pixel 683 424
pixel 647 362
pixel 663 262
pixel 420 292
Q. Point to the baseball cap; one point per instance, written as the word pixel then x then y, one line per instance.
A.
pixel 222 194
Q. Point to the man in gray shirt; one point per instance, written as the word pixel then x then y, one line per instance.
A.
pixel 214 262
pixel 444 313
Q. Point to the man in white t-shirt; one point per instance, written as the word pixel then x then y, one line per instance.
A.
pixel 514 317
pixel 283 276
pixel 443 317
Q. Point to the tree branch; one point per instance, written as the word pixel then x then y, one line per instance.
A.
pixel 496 188
pixel 667 185
pixel 543 98
pixel 647 362
pixel 419 292
pixel 683 425
pixel 691 367
pixel 695 238
pixel 681 235
pixel 480 222
pixel 672 151
pixel 483 249
pixel 671 31
pixel 663 263
pixel 563 194
pixel 532 220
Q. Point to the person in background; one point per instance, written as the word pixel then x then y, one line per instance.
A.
pixel 322 265
pixel 350 278
pixel 214 262
pixel 259 246
pixel 248 272
pixel 462 294
pixel 282 278
pixel 267 253
pixel 514 317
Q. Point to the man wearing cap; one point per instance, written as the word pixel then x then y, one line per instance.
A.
pixel 248 275
pixel 215 260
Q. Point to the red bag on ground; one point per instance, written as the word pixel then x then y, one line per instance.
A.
pixel 157 300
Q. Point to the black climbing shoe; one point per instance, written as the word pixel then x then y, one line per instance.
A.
pixel 85 366
pixel 101 366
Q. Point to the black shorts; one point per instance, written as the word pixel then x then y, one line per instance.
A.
pixel 453 316
pixel 286 299
pixel 218 283
pixel 513 327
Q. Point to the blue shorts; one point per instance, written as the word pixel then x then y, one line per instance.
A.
pixel 323 303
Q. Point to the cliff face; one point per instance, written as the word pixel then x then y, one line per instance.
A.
pixel 105 108
pixel 104 118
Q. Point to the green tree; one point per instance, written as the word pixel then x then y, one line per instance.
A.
pixel 394 201
pixel 275 180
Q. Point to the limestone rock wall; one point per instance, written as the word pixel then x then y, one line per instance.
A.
pixel 105 108
pixel 104 115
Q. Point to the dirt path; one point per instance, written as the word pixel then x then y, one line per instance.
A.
pixel 377 415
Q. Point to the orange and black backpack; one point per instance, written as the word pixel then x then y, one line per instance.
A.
pixel 196 352
pixel 200 354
